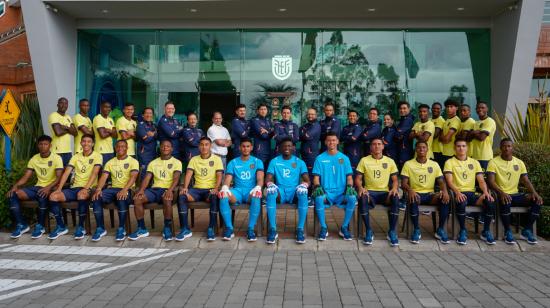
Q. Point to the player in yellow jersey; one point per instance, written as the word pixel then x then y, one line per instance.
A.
pixel 418 178
pixel 165 172
pixel 82 123
pixel 62 128
pixel 48 167
pixel 467 125
pixel 483 135
pixel 86 167
pixel 374 173
pixel 123 171
pixel 206 170
pixel 105 131
pixel 424 129
pixel 504 174
pixel 126 128
pixel 461 173
pixel 439 122
pixel 450 128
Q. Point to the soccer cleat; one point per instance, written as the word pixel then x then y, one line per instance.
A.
pixel 528 235
pixel 345 234
pixel 251 235
pixel 38 231
pixel 120 234
pixel 392 238
pixel 442 236
pixel 183 234
pixel 167 233
pixel 300 237
pixel 20 229
pixel 323 234
pixel 415 237
pixel 487 236
pixel 139 233
pixel 210 235
pixel 99 233
pixel 79 233
pixel 462 237
pixel 58 232
pixel 509 237
pixel 228 234
pixel 272 236
pixel 369 237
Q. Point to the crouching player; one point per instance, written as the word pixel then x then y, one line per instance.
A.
pixel 418 179
pixel 247 174
pixel 206 169
pixel 292 180
pixel 165 172
pixel 374 173
pixel 123 170
pixel 504 173
pixel 48 167
pixel 333 185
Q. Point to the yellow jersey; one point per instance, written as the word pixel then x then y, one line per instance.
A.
pixel 464 173
pixel 123 124
pixel 60 144
pixel 439 122
pixel 507 173
pixel 79 121
pixel 120 170
pixel 103 145
pixel 83 166
pixel 377 172
pixel 468 125
pixel 429 127
pixel 421 177
pixel 163 171
pixel 448 149
pixel 204 170
pixel 45 168
pixel 483 150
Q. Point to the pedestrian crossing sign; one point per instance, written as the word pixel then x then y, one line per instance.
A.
pixel 9 113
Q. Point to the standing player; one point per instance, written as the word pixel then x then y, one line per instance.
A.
pixel 240 128
pixel 48 167
pixel 483 135
pixel 169 128
pixel 261 130
pixel 504 174
pixel 424 129
pixel 388 137
pixel 333 185
pixel 374 173
pixel 372 131
pixel 467 124
pixel 418 179
pixel 448 133
pixel 329 124
pixel 123 170
pixel 439 122
pixel 461 173
pixel 404 144
pixel 165 172
pixel 310 133
pixel 351 137
pixel 206 170
pixel 191 137
pixel 292 180
pixel 105 131
pixel 62 128
pixel 285 128
pixel 147 140
pixel 86 167
pixel 246 172
pixel 126 127
pixel 82 123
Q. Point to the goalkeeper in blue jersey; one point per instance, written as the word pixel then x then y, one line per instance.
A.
pixel 333 185
pixel 247 174
pixel 287 182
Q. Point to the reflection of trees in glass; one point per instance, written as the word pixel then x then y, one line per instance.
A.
pixel 457 93
pixel 213 76
pixel 266 96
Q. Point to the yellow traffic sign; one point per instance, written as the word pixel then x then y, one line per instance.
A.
pixel 9 113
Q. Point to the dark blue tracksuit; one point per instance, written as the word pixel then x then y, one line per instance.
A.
pixel 351 138
pixel 329 124
pixel 190 140
pixel 285 129
pixel 371 131
pixel 262 141
pixel 390 146
pixel 310 135
pixel 240 128
pixel 170 129
pixel 146 145
pixel 404 144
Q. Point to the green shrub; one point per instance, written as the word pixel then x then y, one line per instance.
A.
pixel 543 225
pixel 6 182
pixel 537 159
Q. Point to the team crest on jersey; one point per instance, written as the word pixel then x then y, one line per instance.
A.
pixel 430 170
pixel 169 166
pixel 91 161
pixel 50 163
pixel 422 127
pixel 516 167
pixel 252 166
pixel 294 165
pixel 341 161
pixel 385 165
pixel 126 166
pixel 211 163
pixel 471 166
pixel 480 125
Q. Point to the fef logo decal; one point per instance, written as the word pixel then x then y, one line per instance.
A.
pixel 281 66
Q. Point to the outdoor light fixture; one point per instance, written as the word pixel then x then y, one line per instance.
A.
pixel 371 9
pixel 460 9
pixel 52 8
pixel 104 11
pixel 282 10
pixel 193 10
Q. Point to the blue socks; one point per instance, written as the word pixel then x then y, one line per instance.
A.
pixel 350 208
pixel 302 211
pixel 15 208
pixel 254 212
pixel 225 211
pixel 271 208
pixel 320 210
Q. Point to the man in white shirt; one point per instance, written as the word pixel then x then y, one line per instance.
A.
pixel 221 140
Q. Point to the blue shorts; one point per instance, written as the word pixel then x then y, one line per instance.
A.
pixel 242 195
pixel 154 194
pixel 199 194
pixel 338 199
pixel 32 193
pixel 520 199
pixel 71 193
pixel 107 157
pixel 65 158
pixel 288 195
pixel 109 195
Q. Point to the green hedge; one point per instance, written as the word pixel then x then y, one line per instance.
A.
pixel 6 181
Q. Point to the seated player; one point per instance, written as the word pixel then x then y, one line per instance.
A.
pixel 333 185
pixel 165 172
pixel 461 173
pixel 206 169
pixel 292 180
pixel 246 172
pixel 418 179
pixel 123 170
pixel 48 167
pixel 374 173
pixel 86 166
pixel 504 174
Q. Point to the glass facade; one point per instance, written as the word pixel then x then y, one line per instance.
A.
pixel 210 70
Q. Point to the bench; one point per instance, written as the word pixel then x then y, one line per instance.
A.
pixel 513 210
pixel 469 209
